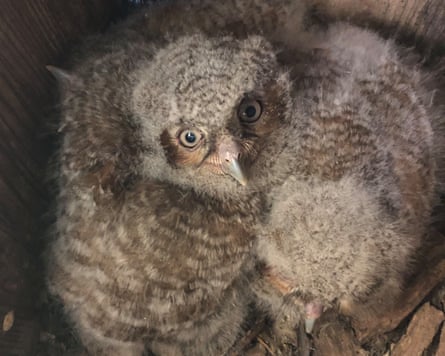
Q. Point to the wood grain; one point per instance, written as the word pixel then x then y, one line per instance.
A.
pixel 32 35
pixel 420 332
pixel 429 277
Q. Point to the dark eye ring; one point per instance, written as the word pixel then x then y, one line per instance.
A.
pixel 249 110
pixel 190 138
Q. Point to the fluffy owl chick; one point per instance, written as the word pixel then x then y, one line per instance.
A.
pixel 155 210
pixel 361 161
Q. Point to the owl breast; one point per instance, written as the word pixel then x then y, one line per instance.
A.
pixel 158 263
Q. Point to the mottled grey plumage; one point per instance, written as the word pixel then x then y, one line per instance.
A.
pixel 154 232
pixel 359 166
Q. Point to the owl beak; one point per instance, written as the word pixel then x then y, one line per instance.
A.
pixel 233 169
pixel 228 152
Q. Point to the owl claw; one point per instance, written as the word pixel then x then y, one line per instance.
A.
pixel 313 311
pixel 309 325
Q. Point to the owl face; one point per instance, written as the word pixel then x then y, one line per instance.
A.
pixel 211 108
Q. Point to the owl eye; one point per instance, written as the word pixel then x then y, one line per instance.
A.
pixel 249 110
pixel 190 138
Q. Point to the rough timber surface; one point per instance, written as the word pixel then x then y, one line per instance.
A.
pixel 32 35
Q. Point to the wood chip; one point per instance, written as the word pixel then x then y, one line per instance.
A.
pixel 8 321
pixel 441 348
pixel 433 273
pixel 420 332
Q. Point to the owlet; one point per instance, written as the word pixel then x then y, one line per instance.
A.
pixel 357 174
pixel 161 145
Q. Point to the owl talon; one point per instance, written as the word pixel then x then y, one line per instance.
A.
pixel 313 312
pixel 309 325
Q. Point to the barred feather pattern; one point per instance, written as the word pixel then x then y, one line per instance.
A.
pixel 144 265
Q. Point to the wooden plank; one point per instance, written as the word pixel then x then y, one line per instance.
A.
pixel 441 348
pixel 32 35
pixel 432 273
pixel 420 332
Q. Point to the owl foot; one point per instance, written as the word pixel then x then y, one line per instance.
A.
pixel 313 311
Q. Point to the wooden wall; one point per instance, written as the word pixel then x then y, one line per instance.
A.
pixel 32 35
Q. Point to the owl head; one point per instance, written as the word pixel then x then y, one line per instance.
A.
pixel 212 112
pixel 204 113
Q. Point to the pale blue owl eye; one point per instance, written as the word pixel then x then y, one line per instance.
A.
pixel 190 138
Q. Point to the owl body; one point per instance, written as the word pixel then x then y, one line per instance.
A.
pixel 347 220
pixel 154 232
